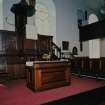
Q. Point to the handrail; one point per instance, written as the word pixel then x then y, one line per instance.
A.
pixel 58 50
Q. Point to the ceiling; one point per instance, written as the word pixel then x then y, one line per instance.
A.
pixel 95 5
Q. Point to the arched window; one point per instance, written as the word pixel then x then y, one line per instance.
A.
pixel 45 17
pixel 92 18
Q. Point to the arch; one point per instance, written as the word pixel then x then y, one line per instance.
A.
pixel 45 18
pixel 48 23
pixel 92 18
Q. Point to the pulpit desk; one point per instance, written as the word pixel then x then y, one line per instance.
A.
pixel 44 75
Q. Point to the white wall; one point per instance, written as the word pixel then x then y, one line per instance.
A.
pixel 10 23
pixel 44 24
pixel 1 14
pixel 31 31
pixel 94 48
pixel 0 42
pixel 94 45
pixel 65 26
pixel 102 47
pixel 66 22
pixel 1 20
pixel 1 27
pixel 85 51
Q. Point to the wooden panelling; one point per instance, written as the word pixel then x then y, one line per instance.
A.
pixel 76 64
pixel 85 65
pixel 16 70
pixel 29 44
pixel 52 76
pixel 92 67
pixel 102 67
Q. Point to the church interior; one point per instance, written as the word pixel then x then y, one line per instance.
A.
pixel 52 52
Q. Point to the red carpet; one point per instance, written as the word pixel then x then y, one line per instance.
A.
pixel 16 93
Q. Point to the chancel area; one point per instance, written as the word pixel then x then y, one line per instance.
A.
pixel 52 52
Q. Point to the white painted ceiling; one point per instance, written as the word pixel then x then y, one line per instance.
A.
pixel 95 4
